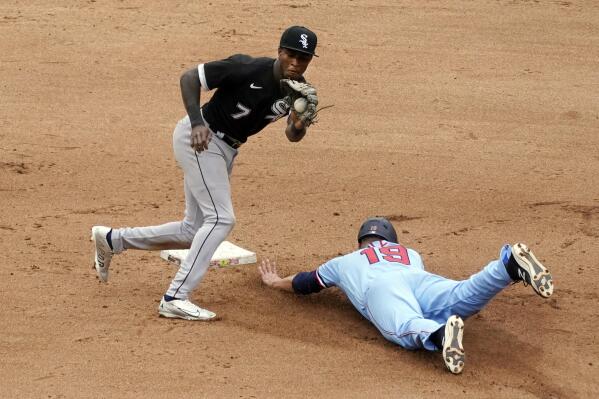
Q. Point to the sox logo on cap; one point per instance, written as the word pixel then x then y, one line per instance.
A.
pixel 304 40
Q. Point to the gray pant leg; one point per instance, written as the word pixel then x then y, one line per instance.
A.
pixel 173 235
pixel 207 180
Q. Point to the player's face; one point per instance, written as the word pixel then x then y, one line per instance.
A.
pixel 293 63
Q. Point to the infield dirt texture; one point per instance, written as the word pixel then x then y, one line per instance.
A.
pixel 468 123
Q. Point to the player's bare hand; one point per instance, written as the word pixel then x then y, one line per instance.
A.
pixel 298 123
pixel 268 272
pixel 200 138
pixel 296 129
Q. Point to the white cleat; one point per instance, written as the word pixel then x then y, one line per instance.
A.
pixel 453 351
pixel 183 309
pixel 103 251
pixel 531 271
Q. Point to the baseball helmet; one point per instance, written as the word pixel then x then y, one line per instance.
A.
pixel 379 227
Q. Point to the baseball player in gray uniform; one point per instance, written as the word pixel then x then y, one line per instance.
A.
pixel 386 282
pixel 248 97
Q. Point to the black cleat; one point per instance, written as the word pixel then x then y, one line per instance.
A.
pixel 531 271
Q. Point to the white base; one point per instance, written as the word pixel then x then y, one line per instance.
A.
pixel 227 254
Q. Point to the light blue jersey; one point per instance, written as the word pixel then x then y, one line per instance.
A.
pixel 388 285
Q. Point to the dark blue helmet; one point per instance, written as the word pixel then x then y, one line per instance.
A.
pixel 379 227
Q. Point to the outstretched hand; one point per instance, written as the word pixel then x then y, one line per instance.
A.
pixel 268 272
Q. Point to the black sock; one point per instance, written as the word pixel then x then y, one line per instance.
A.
pixel 512 268
pixel 109 239
pixel 437 337
pixel 169 298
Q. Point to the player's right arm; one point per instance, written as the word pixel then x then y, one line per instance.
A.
pixel 227 72
pixel 303 283
pixel 190 91
pixel 296 129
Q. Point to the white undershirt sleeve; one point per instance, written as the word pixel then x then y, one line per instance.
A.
pixel 202 76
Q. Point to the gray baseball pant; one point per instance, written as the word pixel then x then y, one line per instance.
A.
pixel 209 215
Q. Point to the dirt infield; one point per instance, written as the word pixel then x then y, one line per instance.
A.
pixel 469 124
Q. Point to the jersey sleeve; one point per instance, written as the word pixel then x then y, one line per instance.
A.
pixel 328 273
pixel 226 72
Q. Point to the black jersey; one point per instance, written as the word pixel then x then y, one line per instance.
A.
pixel 247 97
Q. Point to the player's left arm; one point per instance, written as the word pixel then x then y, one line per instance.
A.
pixel 299 119
pixel 296 128
pixel 303 283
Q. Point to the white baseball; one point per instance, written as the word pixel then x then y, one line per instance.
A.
pixel 300 105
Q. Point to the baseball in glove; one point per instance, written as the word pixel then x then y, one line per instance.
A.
pixel 302 99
